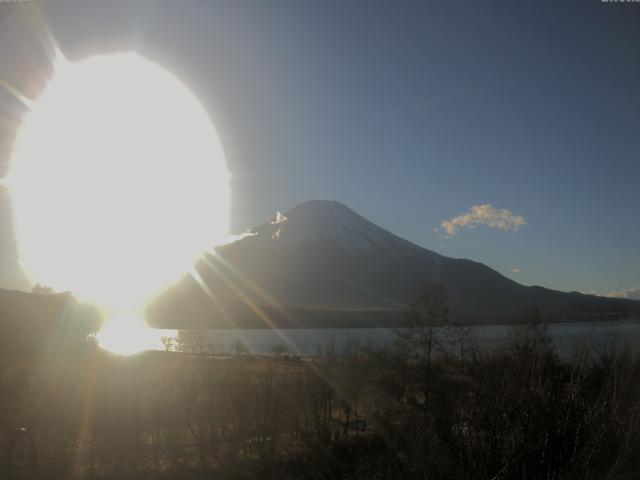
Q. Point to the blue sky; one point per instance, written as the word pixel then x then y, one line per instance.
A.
pixel 408 112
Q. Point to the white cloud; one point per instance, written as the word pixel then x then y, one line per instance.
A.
pixel 630 293
pixel 502 219
pixel 515 270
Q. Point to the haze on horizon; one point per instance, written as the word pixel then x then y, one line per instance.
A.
pixel 507 135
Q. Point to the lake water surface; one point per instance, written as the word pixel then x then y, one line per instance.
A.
pixel 622 334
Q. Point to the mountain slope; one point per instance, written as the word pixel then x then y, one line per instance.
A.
pixel 323 265
pixel 35 325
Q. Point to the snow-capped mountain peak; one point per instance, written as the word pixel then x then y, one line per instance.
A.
pixel 327 222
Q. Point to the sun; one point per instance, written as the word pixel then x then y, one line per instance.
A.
pixel 118 182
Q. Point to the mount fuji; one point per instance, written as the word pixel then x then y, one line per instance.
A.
pixel 322 265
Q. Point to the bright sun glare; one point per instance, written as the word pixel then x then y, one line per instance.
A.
pixel 118 182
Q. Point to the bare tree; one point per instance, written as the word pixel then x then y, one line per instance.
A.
pixel 240 347
pixel 168 343
pixel 192 341
pixel 42 290
pixel 279 349
pixel 425 331
pixel 459 332
pixel 215 343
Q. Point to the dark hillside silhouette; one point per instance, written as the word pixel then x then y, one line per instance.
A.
pixel 33 325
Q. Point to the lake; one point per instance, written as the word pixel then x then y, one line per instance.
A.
pixel 623 334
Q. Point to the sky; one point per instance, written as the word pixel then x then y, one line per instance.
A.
pixel 504 132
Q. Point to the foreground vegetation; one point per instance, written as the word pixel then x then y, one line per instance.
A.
pixel 410 411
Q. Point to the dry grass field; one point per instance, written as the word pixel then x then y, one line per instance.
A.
pixel 516 411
